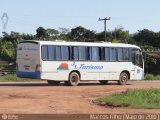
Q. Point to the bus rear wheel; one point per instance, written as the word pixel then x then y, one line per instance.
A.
pixel 103 82
pixel 51 82
pixel 74 79
pixel 123 78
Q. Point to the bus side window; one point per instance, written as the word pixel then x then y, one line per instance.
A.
pixel 82 53
pixel 44 52
pixel 113 54
pixel 74 55
pixel 120 54
pixel 94 53
pixel 65 52
pixel 133 56
pixel 50 52
pixel 58 53
pixel 107 56
pixel 126 54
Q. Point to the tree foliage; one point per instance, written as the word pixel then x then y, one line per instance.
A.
pixel 100 36
pixel 8 45
pixel 82 34
pixel 41 33
pixel 121 35
pixel 146 39
pixel 7 51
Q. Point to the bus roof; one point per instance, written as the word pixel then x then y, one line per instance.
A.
pixel 96 44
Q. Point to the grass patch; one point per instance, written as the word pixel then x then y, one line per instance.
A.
pixel 152 77
pixel 14 78
pixel 146 98
pixel 7 67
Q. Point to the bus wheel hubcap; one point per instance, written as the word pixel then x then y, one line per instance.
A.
pixel 124 78
pixel 74 79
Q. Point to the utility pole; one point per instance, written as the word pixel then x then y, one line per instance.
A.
pixel 4 19
pixel 105 19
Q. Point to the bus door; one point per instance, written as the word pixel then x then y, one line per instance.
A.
pixel 137 60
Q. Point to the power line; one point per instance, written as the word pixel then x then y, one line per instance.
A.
pixel 105 19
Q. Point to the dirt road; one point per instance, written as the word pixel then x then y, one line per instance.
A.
pixel 41 98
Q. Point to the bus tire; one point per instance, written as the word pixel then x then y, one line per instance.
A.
pixel 51 82
pixel 74 79
pixel 123 78
pixel 103 82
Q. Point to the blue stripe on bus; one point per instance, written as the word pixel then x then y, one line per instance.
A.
pixel 22 74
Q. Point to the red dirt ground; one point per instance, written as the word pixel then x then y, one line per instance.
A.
pixel 36 98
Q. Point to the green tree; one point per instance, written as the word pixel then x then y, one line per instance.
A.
pixel 121 35
pixel 14 37
pixel 27 36
pixel 82 34
pixel 148 41
pixel 116 36
pixel 147 37
pixel 64 34
pixel 41 33
pixel 64 31
pixel 8 45
pixel 101 36
pixel 52 32
pixel 7 51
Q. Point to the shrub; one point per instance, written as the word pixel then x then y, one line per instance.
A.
pixel 146 98
pixel 152 77
pixel 149 77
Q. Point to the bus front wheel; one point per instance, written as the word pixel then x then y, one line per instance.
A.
pixel 51 82
pixel 74 79
pixel 123 78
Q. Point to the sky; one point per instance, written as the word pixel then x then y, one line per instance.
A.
pixel 25 16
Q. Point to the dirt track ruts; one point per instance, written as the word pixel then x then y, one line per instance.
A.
pixel 30 97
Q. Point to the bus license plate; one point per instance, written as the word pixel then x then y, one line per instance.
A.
pixel 26 68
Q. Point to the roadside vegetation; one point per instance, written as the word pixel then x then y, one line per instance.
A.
pixel 146 99
pixel 148 41
pixel 10 77
pixel 7 67
pixel 152 77
pixel 14 78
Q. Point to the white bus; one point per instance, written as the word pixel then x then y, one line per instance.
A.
pixel 72 62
